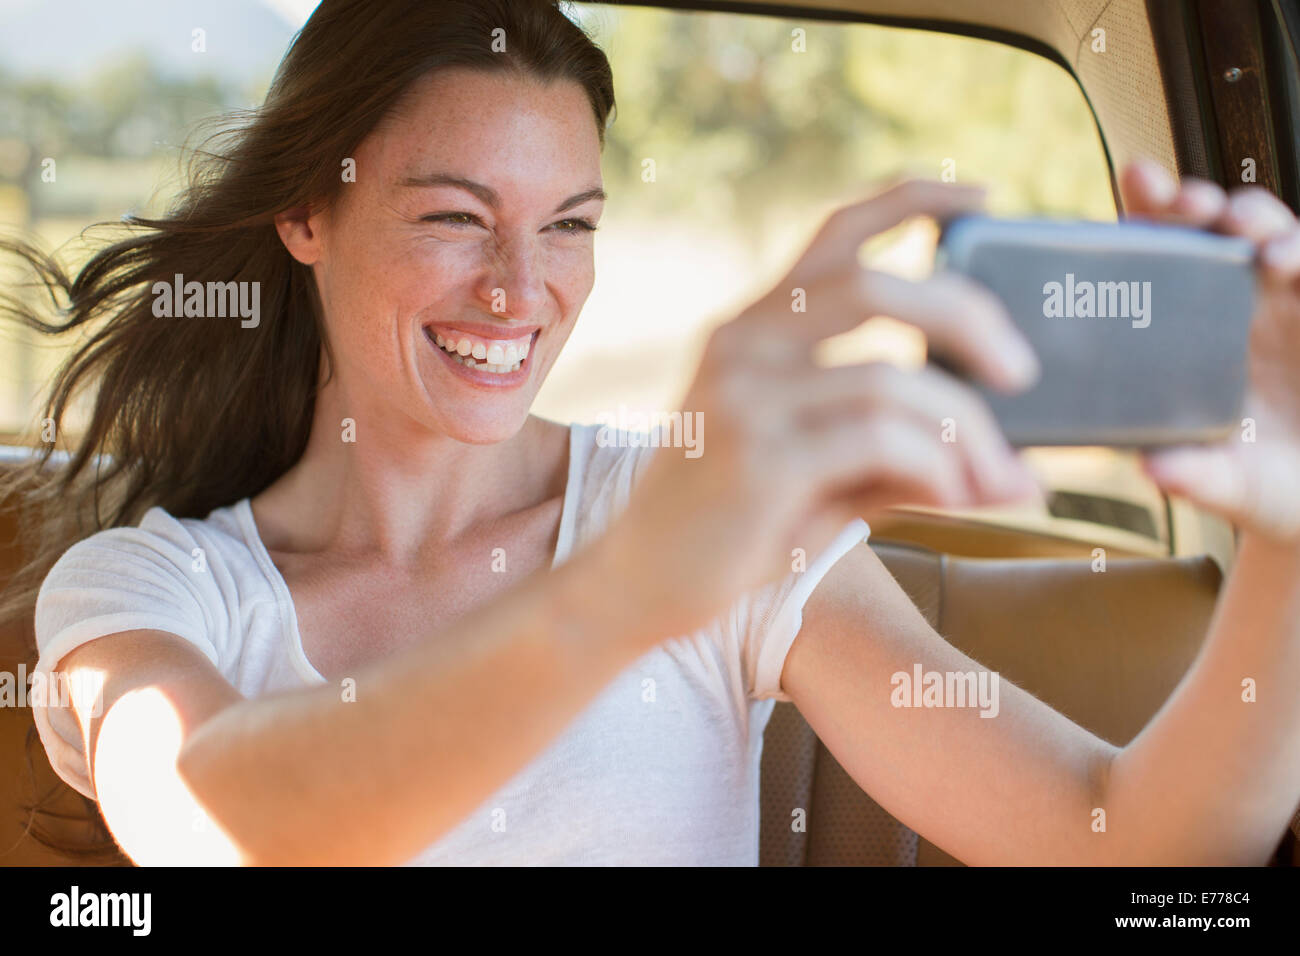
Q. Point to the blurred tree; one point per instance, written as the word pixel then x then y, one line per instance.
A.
pixel 128 111
pixel 741 123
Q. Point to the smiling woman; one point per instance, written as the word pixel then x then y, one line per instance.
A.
pixel 352 602
pixel 349 207
pixel 481 177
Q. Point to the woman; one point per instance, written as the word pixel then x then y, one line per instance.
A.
pixel 376 612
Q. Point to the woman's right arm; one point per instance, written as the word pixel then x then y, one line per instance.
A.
pixel 187 771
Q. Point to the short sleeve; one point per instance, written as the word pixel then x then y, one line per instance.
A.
pixel 121 579
pixel 770 619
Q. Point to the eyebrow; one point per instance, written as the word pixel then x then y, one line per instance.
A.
pixel 487 194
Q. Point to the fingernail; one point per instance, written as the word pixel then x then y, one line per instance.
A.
pixel 1023 483
pixel 1163 188
pixel 1020 364
pixel 1010 480
pixel 1283 253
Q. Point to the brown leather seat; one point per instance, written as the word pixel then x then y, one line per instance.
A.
pixel 25 773
pixel 1106 649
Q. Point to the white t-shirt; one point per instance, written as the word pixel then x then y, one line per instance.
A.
pixel 661 768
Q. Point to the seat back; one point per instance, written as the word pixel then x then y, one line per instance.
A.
pixel 25 773
pixel 1105 648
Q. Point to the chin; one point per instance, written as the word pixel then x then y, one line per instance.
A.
pixel 484 430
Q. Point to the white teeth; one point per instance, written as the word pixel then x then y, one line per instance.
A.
pixel 496 358
pixel 470 362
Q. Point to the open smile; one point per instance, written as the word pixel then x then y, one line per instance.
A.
pixel 484 360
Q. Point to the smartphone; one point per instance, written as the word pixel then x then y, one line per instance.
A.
pixel 1141 329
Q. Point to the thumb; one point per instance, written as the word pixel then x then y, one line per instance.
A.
pixel 1256 494
pixel 1208 476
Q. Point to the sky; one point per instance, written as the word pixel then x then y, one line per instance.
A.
pixel 71 39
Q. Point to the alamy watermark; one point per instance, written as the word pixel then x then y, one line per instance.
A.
pixel 84 688
pixel 922 688
pixel 210 300
pixel 629 428
pixel 130 910
pixel 1085 299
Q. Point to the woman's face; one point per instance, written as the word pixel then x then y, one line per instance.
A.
pixel 453 269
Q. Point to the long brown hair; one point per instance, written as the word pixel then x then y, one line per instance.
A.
pixel 191 414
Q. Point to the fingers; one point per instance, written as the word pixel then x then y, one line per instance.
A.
pixel 1251 212
pixel 1146 189
pixel 835 247
pixel 1209 477
pixel 885 451
pixel 960 460
pixel 944 408
pixel 1180 470
pixel 1280 257
pixel 962 321
pixel 1199 203
pixel 1257 214
pixel 828 293
pixel 1261 217
pixel 1150 192
pixel 960 318
pixel 818 422
pixel 1254 490
pixel 852 225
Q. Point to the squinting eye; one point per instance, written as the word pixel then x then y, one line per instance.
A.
pixel 575 225
pixel 452 218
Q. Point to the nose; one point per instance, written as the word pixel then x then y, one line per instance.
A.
pixel 514 284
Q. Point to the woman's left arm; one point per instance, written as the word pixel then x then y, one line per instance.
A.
pixel 1214 778
pixel 1235 762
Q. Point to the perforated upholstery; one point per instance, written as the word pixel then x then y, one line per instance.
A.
pixel 790 745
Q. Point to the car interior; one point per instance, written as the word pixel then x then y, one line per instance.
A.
pixel 1209 89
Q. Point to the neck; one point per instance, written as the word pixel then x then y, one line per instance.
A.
pixel 389 488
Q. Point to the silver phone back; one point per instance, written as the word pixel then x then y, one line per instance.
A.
pixel 1141 330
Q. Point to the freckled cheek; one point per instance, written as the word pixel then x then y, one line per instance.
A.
pixel 421 286
pixel 370 320
pixel 572 278
pixel 442 274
